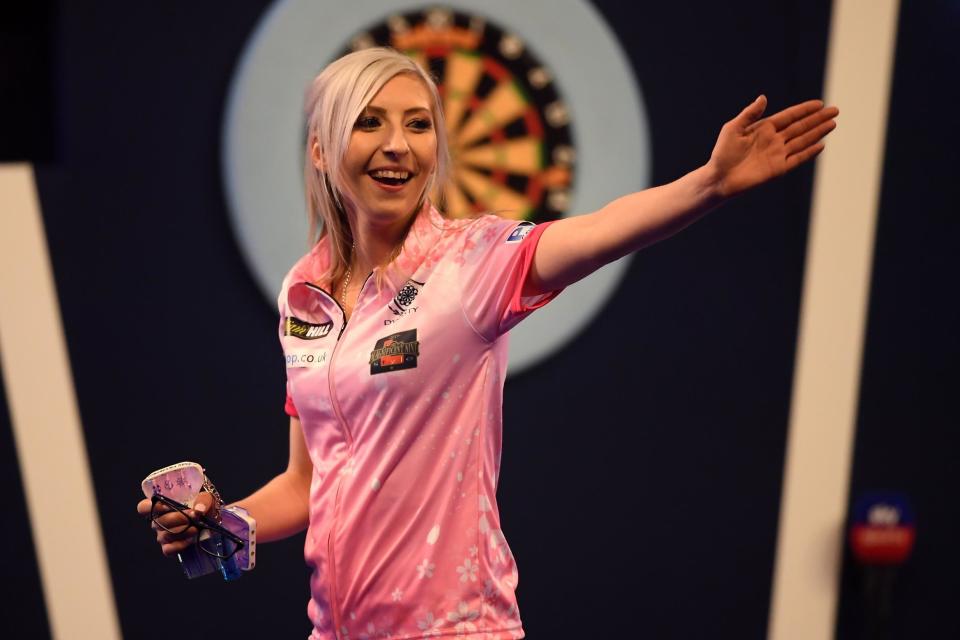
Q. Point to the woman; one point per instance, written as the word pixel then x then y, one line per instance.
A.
pixel 393 330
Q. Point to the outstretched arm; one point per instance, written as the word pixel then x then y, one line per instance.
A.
pixel 750 150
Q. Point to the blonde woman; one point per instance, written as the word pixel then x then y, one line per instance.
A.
pixel 394 332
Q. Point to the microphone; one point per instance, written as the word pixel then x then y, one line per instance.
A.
pixel 882 534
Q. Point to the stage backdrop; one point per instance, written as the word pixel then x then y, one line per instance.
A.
pixel 643 443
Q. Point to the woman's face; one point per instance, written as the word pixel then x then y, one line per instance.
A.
pixel 392 153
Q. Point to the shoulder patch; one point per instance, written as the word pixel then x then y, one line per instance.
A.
pixel 520 232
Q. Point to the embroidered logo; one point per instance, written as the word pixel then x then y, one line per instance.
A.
pixel 405 297
pixel 305 330
pixel 395 352
pixel 520 232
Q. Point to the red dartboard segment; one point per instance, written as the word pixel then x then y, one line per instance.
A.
pixel 534 124
pixel 497 71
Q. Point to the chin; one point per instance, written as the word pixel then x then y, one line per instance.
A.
pixel 386 209
pixel 391 213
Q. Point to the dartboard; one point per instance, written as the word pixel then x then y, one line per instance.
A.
pixel 509 129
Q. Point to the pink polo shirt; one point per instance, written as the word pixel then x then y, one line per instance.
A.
pixel 401 412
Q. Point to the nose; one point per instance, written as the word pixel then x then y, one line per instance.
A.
pixel 395 143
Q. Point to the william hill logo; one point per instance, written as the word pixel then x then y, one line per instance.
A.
pixel 395 352
pixel 305 330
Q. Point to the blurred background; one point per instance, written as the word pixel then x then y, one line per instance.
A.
pixel 643 455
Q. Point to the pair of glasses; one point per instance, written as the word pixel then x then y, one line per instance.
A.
pixel 223 548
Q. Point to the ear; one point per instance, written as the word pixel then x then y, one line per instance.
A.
pixel 317 156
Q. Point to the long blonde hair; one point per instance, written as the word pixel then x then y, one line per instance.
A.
pixel 334 101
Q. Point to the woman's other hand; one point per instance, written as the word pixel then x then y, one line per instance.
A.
pixel 181 536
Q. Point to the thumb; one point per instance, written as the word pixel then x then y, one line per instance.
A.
pixel 204 504
pixel 753 111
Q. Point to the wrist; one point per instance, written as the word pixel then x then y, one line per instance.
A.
pixel 708 183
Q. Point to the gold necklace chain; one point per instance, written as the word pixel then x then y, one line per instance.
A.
pixel 343 291
pixel 346 278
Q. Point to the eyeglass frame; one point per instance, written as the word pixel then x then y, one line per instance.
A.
pixel 200 524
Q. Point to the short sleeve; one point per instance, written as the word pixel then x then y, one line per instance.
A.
pixel 289 407
pixel 496 258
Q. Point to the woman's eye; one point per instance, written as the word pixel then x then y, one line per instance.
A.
pixel 421 124
pixel 367 122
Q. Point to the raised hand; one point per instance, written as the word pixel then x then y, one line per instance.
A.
pixel 752 150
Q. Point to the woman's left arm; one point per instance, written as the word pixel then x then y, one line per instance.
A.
pixel 748 152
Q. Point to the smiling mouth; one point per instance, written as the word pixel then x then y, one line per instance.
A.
pixel 391 178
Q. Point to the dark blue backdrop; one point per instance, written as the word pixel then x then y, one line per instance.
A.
pixel 642 464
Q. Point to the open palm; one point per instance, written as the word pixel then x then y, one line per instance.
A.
pixel 752 150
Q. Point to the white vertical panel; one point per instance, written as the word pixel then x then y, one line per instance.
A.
pixel 46 423
pixel 826 386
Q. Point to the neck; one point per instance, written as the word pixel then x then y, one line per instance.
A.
pixel 376 243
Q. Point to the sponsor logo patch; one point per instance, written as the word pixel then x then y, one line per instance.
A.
pixel 306 359
pixel 395 352
pixel 520 232
pixel 305 330
pixel 404 299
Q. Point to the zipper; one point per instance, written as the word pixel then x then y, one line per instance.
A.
pixel 332 582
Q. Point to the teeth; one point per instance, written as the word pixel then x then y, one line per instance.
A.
pixel 396 175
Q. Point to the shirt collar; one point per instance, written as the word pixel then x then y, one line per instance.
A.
pixel 427 229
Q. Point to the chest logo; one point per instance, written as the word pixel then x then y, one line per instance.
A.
pixel 395 352
pixel 305 330
pixel 405 297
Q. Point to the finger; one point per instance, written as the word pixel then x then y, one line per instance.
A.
pixel 176 519
pixel 805 124
pixel 143 507
pixel 156 509
pixel 173 548
pixel 807 154
pixel 810 138
pixel 166 516
pixel 788 116
pixel 752 112
pixel 205 505
pixel 174 522
pixel 187 535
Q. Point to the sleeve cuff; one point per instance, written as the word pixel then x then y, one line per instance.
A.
pixel 520 304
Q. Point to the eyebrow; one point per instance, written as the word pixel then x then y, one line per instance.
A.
pixel 382 111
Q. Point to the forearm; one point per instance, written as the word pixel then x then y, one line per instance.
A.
pixel 640 219
pixel 575 247
pixel 280 507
